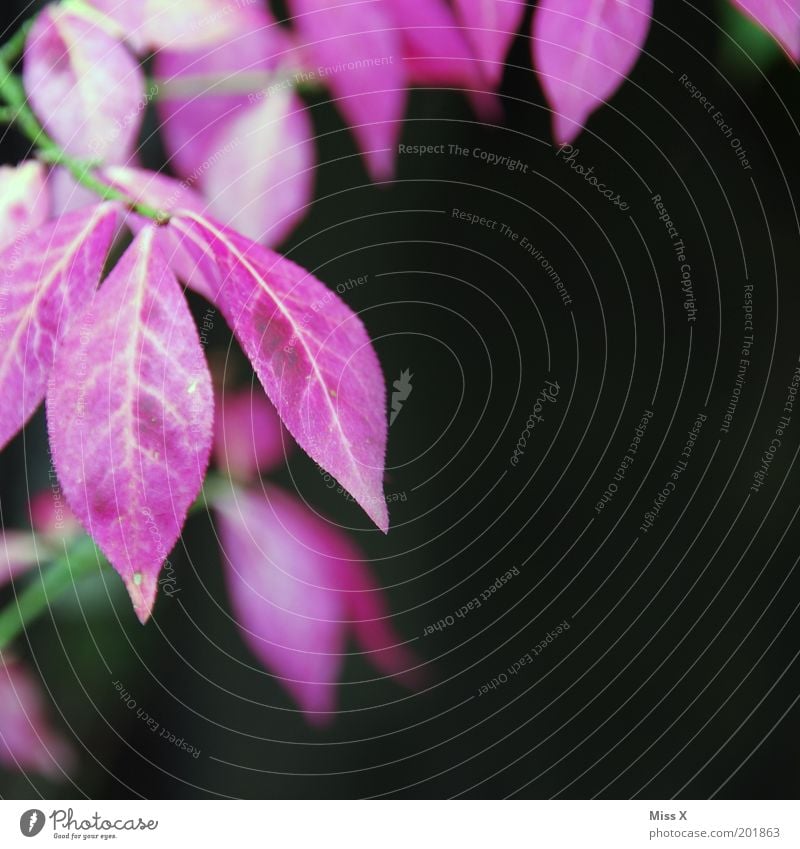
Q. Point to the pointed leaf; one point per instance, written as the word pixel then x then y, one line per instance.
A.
pixel 283 592
pixel 131 431
pixel 311 354
pixel 583 51
pixel 780 18
pixel 48 278
pixel 83 84
pixel 359 50
pixel 24 199
pixel 490 28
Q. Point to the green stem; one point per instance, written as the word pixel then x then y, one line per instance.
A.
pixel 82 559
pixel 21 115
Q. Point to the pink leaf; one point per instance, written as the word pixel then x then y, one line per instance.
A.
pixel 280 590
pixel 490 28
pixel 583 52
pixel 49 276
pixel 358 50
pixel 311 354
pixel 85 87
pixel 298 586
pixel 200 92
pixel 780 18
pixel 51 516
pixel 18 554
pixel 27 740
pixel 151 25
pixel 131 428
pixel 248 437
pixel 24 199
pixel 264 186
pixel 436 52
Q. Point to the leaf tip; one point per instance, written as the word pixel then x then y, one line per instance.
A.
pixel 142 589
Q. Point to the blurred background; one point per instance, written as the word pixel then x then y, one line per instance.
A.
pixel 678 673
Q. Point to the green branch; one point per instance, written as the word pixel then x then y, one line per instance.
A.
pixel 80 560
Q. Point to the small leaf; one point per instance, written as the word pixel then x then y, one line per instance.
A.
pixel 248 437
pixel 490 27
pixel 84 85
pixel 583 51
pixel 19 553
pixel 297 587
pixel 24 199
pixel 28 742
pixel 358 54
pixel 780 18
pixel 311 354
pixel 130 417
pixel 48 278
pixel 264 186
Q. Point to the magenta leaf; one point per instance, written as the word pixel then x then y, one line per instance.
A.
pixel 83 84
pixel 435 49
pixel 131 428
pixel 490 27
pixel 201 91
pixel 27 740
pixel 583 51
pixel 780 18
pixel 49 275
pixel 265 184
pixel 359 50
pixel 151 25
pixel 248 437
pixel 311 354
pixel 24 199
pixel 297 587
pixel 288 613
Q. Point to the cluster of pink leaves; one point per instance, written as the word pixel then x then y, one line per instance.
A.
pixel 129 398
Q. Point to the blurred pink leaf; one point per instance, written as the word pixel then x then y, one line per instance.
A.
pixel 583 51
pixel 84 85
pixel 151 25
pixel 24 199
pixel 51 515
pixel 436 51
pixel 297 586
pixel 356 49
pixel 201 91
pixel 131 430
pixel 18 554
pixel 780 18
pixel 248 437
pixel 48 279
pixel 490 27
pixel 311 354
pixel 264 185
pixel 27 740
pixel 236 131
